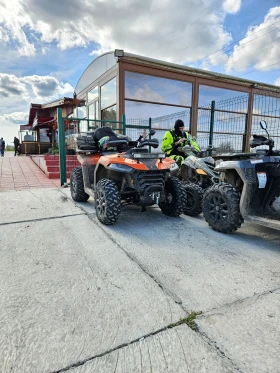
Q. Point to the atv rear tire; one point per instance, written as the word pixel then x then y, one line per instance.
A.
pixel 77 185
pixel 107 202
pixel 175 198
pixel 221 208
pixel 194 199
pixel 272 205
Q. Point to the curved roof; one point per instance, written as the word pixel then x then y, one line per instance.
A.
pixel 95 69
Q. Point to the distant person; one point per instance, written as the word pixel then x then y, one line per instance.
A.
pixel 27 137
pixel 16 146
pixel 2 147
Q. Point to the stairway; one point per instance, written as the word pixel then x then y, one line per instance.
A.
pixel 52 165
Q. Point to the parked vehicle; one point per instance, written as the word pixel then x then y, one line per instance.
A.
pixel 117 172
pixel 197 174
pixel 198 168
pixel 250 191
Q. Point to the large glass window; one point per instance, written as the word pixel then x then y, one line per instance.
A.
pixel 155 89
pixel 93 94
pixel 221 97
pixel 163 117
pixel 82 113
pixel 109 94
pixel 93 110
pixel 109 114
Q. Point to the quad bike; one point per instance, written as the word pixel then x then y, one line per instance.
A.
pixel 197 174
pixel 125 173
pixel 250 190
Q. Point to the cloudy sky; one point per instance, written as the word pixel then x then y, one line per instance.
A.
pixel 47 44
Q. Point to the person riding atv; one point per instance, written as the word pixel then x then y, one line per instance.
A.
pixel 174 146
pixel 176 139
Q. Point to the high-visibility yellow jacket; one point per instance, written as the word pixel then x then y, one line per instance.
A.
pixel 170 137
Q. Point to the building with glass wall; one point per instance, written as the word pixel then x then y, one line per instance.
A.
pixel 118 83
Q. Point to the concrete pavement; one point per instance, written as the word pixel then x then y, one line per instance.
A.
pixel 82 297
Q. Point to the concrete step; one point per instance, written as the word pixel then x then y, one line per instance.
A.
pixel 56 157
pixel 56 175
pixel 55 168
pixel 55 162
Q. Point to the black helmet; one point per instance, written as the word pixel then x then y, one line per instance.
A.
pixel 179 123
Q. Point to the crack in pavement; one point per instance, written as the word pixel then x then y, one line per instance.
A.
pixel 42 219
pixel 211 343
pixel 123 345
pixel 251 298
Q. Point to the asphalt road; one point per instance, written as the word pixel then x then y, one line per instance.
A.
pixel 79 296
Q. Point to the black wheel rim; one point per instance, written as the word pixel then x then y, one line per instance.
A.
pixel 101 203
pixel 168 199
pixel 218 208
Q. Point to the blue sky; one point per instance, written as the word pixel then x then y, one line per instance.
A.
pixel 47 44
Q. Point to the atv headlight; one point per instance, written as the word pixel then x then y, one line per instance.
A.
pixel 120 167
pixel 200 171
pixel 174 167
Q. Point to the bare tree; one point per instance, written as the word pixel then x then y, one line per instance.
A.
pixel 225 147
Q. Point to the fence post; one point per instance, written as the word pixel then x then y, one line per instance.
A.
pixel 61 145
pixel 123 124
pixel 150 127
pixel 212 120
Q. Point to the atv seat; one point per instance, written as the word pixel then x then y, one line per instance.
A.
pixel 113 140
pixel 85 143
pixel 230 157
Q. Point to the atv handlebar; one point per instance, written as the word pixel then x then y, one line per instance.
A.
pixel 259 140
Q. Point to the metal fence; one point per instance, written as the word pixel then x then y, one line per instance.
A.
pixel 229 122
pixel 224 124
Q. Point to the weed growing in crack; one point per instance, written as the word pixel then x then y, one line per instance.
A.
pixel 189 320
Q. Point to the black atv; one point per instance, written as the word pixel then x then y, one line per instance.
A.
pixel 122 172
pixel 250 189
pixel 196 174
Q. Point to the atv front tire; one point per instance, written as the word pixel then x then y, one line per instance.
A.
pixel 107 201
pixel 221 208
pixel 194 199
pixel 77 185
pixel 175 198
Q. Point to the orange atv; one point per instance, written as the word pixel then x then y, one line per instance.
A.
pixel 119 172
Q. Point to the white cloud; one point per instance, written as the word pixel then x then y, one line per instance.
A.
pixel 232 6
pixel 277 82
pixel 261 52
pixel 17 93
pixel 13 20
pixel 10 86
pixel 180 33
pixel 16 117
pixel 47 86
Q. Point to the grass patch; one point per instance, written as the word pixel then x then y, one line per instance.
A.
pixel 189 320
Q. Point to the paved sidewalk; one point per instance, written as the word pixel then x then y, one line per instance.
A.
pixel 77 296
pixel 19 173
